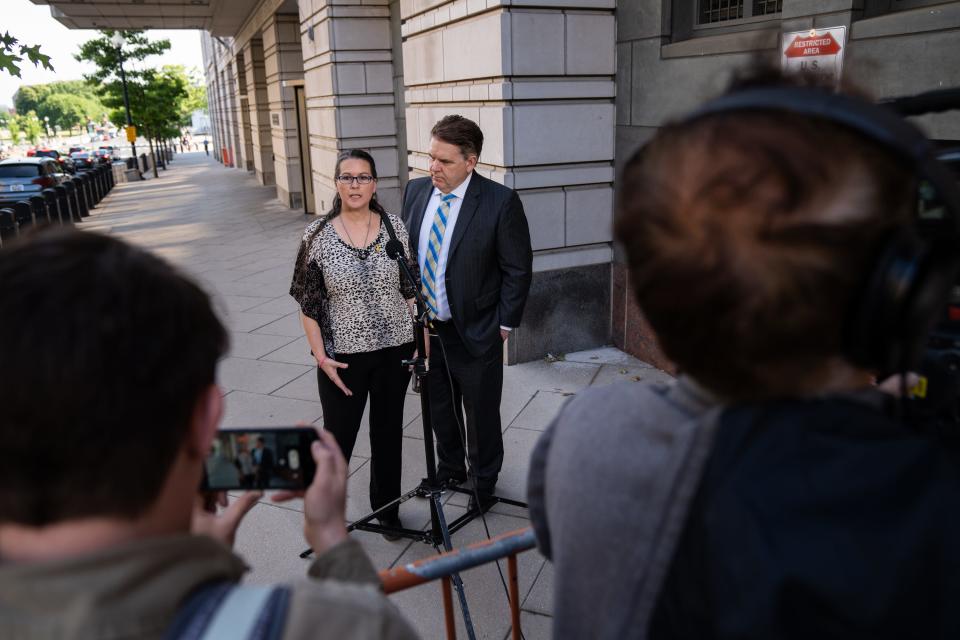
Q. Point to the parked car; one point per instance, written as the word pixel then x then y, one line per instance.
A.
pixel 76 148
pixel 104 156
pixel 21 178
pixel 112 150
pixel 84 160
pixel 63 160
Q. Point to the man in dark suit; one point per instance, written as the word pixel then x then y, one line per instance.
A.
pixel 472 243
pixel 263 464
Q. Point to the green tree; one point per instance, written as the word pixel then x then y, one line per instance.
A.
pixel 33 97
pixel 13 126
pixel 196 99
pixel 66 102
pixel 105 56
pixel 107 80
pixel 12 53
pixel 159 98
pixel 67 110
pixel 32 128
pixel 28 97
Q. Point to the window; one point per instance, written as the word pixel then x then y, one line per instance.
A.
pixel 720 11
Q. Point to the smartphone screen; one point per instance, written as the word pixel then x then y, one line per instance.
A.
pixel 260 458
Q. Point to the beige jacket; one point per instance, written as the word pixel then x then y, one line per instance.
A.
pixel 133 591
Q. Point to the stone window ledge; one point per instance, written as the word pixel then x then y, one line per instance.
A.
pixel 739 42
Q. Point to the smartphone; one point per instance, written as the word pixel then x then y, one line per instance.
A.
pixel 260 458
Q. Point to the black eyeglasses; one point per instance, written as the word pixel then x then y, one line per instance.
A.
pixel 362 179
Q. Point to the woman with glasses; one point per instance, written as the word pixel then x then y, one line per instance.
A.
pixel 356 313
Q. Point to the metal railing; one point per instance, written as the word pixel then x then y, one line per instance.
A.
pixel 442 566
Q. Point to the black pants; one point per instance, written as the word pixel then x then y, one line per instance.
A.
pixel 379 374
pixel 475 394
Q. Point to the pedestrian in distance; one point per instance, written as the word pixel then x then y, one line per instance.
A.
pixel 356 313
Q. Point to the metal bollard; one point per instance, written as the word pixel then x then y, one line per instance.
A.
pixel 8 226
pixel 23 214
pixel 95 194
pixel 38 205
pixel 101 176
pixel 84 188
pixel 76 200
pixel 53 205
pixel 67 212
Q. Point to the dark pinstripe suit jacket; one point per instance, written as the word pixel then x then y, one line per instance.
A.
pixel 490 263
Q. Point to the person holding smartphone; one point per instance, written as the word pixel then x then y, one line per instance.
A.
pixel 356 314
pixel 103 531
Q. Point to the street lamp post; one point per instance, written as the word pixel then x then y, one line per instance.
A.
pixel 118 42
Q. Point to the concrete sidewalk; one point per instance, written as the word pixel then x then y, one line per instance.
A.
pixel 234 236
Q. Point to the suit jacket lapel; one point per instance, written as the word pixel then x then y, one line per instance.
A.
pixel 418 206
pixel 471 202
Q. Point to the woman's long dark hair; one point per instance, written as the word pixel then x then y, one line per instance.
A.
pixel 347 154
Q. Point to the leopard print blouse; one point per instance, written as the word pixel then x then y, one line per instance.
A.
pixel 358 301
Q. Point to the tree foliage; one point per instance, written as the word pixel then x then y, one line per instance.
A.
pixel 13 126
pixel 31 126
pixel 196 96
pixel 161 96
pixel 32 96
pixel 66 103
pixel 101 52
pixel 156 96
pixel 13 52
pixel 67 111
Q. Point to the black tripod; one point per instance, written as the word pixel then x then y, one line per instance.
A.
pixel 430 487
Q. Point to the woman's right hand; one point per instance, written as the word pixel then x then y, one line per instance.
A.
pixel 329 367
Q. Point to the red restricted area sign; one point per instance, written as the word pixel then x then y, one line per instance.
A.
pixel 815 51
pixel 816 46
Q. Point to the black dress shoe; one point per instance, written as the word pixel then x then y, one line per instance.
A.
pixel 391 522
pixel 448 482
pixel 486 501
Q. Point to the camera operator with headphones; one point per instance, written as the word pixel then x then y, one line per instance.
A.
pixel 771 491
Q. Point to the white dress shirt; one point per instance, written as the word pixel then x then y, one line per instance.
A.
pixel 443 305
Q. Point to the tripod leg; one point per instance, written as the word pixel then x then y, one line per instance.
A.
pixel 457 582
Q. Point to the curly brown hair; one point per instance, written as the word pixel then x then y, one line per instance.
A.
pixel 748 236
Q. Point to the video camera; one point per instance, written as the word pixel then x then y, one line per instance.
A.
pixel 936 399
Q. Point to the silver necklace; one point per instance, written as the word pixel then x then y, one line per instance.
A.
pixel 362 252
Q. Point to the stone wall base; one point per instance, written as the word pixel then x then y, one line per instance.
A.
pixel 631 332
pixel 567 310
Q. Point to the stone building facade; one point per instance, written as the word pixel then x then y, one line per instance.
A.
pixel 565 91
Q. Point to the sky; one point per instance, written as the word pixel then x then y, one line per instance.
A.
pixel 32 24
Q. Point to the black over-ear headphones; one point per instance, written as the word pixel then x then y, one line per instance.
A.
pixel 887 326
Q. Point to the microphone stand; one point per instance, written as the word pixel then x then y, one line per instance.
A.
pixel 429 487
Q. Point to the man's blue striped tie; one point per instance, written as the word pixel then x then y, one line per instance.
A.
pixel 432 259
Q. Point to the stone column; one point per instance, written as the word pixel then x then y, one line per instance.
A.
pixel 283 62
pixel 231 111
pixel 349 85
pixel 538 77
pixel 221 128
pixel 258 112
pixel 245 155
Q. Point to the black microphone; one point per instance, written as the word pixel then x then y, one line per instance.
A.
pixel 394 249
